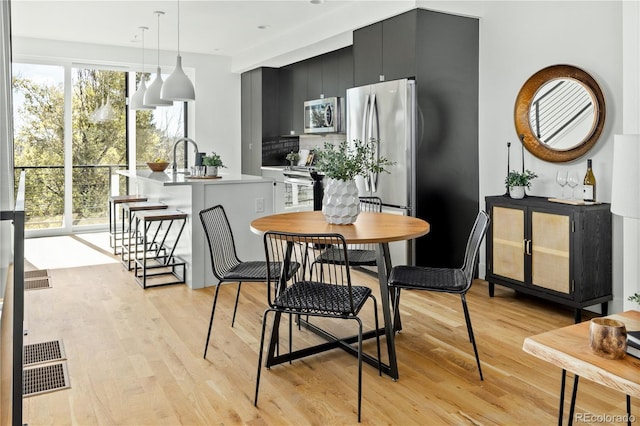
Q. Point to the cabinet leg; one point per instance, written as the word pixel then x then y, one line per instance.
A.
pixel 604 308
pixel 577 315
pixel 491 289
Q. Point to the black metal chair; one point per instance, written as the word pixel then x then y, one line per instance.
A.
pixel 359 254
pixel 226 265
pixel 456 281
pixel 331 297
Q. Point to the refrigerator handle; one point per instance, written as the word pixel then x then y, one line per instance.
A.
pixel 374 125
pixel 365 135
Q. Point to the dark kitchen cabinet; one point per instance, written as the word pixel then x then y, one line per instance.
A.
pixel 554 251
pixel 386 50
pixel 259 115
pixel 326 76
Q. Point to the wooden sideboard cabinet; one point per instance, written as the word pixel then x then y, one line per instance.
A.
pixel 555 251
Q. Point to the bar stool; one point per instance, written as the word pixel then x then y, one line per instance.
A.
pixel 156 252
pixel 128 210
pixel 114 201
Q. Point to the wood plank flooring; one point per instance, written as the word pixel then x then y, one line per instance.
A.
pixel 135 358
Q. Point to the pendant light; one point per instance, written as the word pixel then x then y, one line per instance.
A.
pixel 107 113
pixel 152 95
pixel 178 87
pixel 137 100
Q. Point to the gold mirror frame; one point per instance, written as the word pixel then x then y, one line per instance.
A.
pixel 522 113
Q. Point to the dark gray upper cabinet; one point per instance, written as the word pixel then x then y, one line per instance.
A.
pixel 259 115
pixel 285 95
pixel 314 77
pixel 300 76
pixel 386 50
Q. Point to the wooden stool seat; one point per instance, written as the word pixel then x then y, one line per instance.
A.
pixel 156 252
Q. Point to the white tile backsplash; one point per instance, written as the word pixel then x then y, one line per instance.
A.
pixel 317 141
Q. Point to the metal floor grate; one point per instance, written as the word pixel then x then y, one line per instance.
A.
pixel 38 273
pixel 37 283
pixel 38 353
pixel 46 378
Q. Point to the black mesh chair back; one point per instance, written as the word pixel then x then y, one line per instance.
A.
pixel 319 288
pixel 359 254
pixel 226 265
pixel 222 248
pixel 446 280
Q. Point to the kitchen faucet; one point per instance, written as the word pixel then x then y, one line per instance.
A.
pixel 174 165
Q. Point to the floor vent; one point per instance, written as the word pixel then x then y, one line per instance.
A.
pixel 37 283
pixel 46 378
pixel 38 353
pixel 38 273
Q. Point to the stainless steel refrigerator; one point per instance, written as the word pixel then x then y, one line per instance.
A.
pixel 386 113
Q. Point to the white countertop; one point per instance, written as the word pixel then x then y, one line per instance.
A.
pixel 167 178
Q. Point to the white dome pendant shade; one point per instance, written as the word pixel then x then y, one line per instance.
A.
pixel 178 87
pixel 137 100
pixel 152 95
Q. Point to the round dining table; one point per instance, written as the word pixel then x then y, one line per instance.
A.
pixel 369 228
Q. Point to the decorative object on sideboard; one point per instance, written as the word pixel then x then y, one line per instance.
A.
pixel 341 164
pixel 516 182
pixel 608 338
pixel 152 95
pixel 561 179
pixel 508 166
pixel 178 87
pixel 213 162
pixel 137 100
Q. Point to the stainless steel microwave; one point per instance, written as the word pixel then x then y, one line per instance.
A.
pixel 324 116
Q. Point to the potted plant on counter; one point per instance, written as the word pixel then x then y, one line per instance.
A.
pixel 341 164
pixel 516 182
pixel 213 163
pixel 293 158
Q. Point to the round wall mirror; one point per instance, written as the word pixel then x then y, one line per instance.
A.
pixel 559 113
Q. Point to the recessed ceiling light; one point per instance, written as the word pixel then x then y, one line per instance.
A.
pixel 316 1
pixel 263 27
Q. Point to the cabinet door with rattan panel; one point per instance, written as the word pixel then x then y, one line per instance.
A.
pixel 550 251
pixel 508 238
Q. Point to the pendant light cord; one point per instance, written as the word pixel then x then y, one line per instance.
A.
pixel 158 13
pixel 178 27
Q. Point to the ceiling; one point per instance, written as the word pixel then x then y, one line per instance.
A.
pixel 228 28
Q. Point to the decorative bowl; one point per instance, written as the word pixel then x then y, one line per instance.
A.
pixel 158 167
pixel 608 338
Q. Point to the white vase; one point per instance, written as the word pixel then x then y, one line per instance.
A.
pixel 340 204
pixel 516 192
pixel 212 170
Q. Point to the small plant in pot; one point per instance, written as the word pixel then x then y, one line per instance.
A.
pixel 516 181
pixel 293 158
pixel 213 163
pixel 341 164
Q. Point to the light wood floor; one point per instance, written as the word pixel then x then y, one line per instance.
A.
pixel 135 358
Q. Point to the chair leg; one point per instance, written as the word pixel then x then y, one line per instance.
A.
pixel 375 314
pixel 235 307
pixel 396 308
pixel 264 325
pixel 290 335
pixel 470 331
pixel 213 310
pixel 359 367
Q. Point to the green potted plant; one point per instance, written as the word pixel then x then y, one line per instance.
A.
pixel 516 181
pixel 341 164
pixel 213 163
pixel 292 157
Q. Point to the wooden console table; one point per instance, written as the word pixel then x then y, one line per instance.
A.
pixel 568 348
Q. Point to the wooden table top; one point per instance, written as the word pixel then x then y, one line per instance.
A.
pixel 368 228
pixel 568 348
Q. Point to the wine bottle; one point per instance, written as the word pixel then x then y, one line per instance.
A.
pixel 589 187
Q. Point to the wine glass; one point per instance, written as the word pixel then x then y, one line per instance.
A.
pixel 573 180
pixel 561 179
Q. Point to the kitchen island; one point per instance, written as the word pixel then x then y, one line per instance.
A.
pixel 244 198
